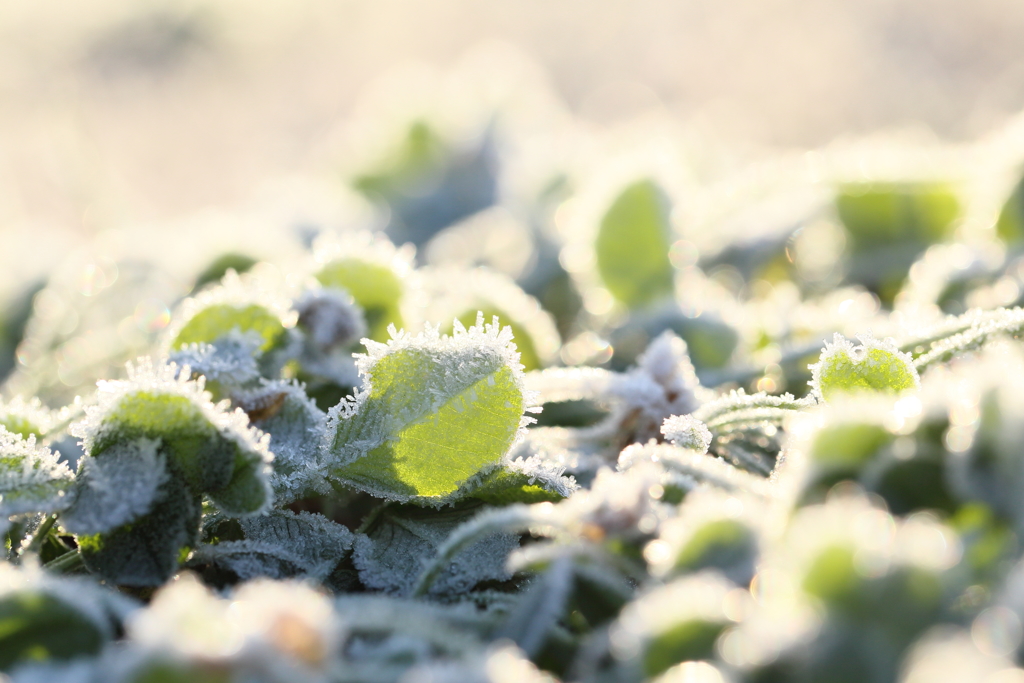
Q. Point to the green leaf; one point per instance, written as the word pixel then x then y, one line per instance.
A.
pixel 188 438
pixel 524 342
pixel 848 446
pixel 872 366
pixel 36 626
pixel 889 225
pixel 376 288
pixel 214 321
pixel 281 544
pixel 117 488
pixel 219 267
pixel 529 480
pixel 633 243
pixel 723 544
pixel 649 638
pixel 879 215
pixel 435 411
pixel 420 155
pixel 211 450
pixel 146 552
pixel 31 477
pixel 404 538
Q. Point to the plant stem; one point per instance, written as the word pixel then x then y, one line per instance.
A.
pixel 66 563
pixel 39 536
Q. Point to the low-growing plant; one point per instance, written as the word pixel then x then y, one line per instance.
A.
pixel 629 456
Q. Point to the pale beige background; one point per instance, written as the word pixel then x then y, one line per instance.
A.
pixel 121 111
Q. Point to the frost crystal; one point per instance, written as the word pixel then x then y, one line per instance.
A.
pixel 687 431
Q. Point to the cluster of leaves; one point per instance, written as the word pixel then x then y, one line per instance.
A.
pixel 386 465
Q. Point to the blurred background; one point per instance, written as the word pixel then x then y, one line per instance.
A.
pixel 116 112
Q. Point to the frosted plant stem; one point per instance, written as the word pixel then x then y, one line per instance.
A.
pixel 39 536
pixel 974 336
pixel 714 412
pixel 511 519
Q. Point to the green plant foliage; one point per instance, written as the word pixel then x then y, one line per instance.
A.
pixel 394 440
pixel 213 322
pixel 889 224
pixel 36 626
pixel 714 495
pixel 375 287
pixel 31 477
pixel 632 246
pixel 872 366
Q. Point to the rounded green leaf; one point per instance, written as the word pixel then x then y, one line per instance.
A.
pixel 36 626
pixel 376 288
pixel 872 366
pixel 215 321
pixel 882 214
pixel 146 552
pixel 434 412
pixel 633 243
pixel 209 449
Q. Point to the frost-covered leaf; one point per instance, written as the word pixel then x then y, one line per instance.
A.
pixel 883 215
pixel 330 318
pixel 403 539
pixel 373 272
pixel 632 245
pixel 965 333
pixel 296 428
pixel 281 544
pixel 27 417
pixel 714 530
pixel 874 365
pixel 146 552
pixel 687 431
pixel 270 630
pixel 648 639
pixel 116 488
pixel 462 294
pixel 534 479
pixel 539 608
pixel 240 307
pixel 50 618
pixel 231 363
pixel 213 322
pixel 889 224
pixel 31 477
pixel 214 451
pixel 434 411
